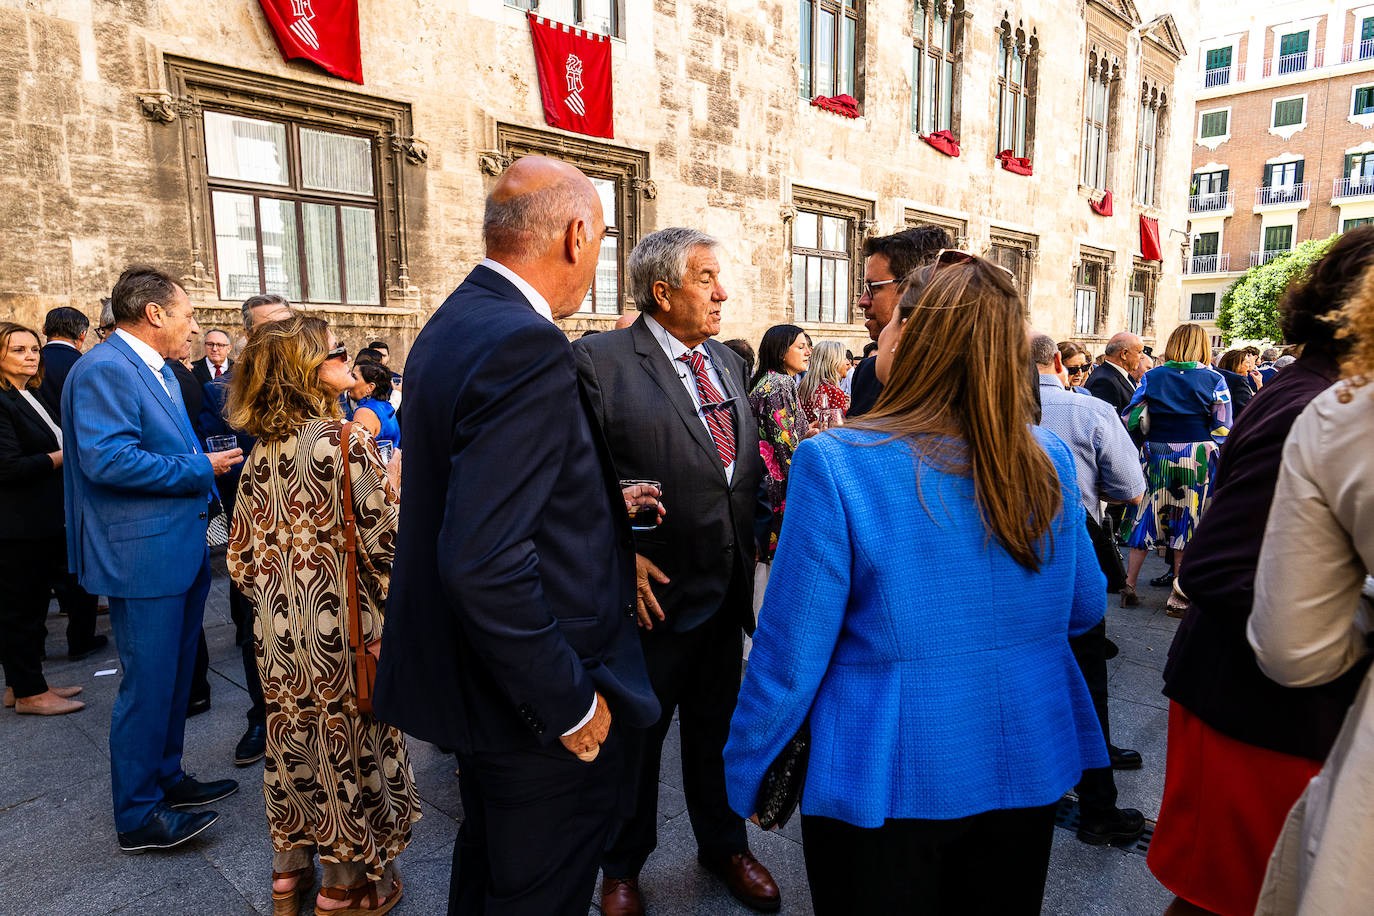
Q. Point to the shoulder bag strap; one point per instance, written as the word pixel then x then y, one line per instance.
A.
pixel 355 623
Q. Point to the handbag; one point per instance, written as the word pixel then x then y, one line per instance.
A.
pixel 365 655
pixel 1108 557
pixel 781 788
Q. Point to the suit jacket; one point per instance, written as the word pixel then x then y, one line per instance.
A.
pixel 137 485
pixel 1108 383
pixel 201 370
pixel 512 592
pixel 706 542
pixel 211 422
pixel 864 390
pixel 58 360
pixel 30 487
pixel 192 396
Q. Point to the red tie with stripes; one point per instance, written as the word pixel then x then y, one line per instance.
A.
pixel 718 417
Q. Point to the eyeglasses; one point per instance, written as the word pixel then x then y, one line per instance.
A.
pixel 1076 370
pixel 871 285
pixel 215 346
pixel 339 352
pixel 103 331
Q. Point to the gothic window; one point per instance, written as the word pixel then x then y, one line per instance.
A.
pixel 1153 109
pixel 1016 252
pixel 825 248
pixel 1097 113
pixel 829 48
pixel 936 52
pixel 1090 293
pixel 1140 300
pixel 1016 84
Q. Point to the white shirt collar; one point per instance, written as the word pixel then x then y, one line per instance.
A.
pixel 1048 379
pixel 670 344
pixel 145 352
pixel 1126 375
pixel 536 301
pixel 64 343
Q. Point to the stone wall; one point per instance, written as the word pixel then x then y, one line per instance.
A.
pixel 706 88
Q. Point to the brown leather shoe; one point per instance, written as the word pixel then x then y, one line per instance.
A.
pixel 621 897
pixel 747 880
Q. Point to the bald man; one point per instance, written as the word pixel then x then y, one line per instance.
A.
pixel 1112 381
pixel 510 633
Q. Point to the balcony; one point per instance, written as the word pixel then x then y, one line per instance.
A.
pixel 1359 186
pixel 1202 316
pixel 1200 264
pixel 1284 196
pixel 1213 202
pixel 1221 76
pixel 1264 257
pixel 1357 50
pixel 1292 63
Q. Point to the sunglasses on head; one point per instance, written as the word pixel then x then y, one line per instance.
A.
pixel 339 352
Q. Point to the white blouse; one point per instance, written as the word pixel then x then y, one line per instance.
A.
pixel 37 408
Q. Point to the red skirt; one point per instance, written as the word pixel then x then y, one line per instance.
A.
pixel 1224 805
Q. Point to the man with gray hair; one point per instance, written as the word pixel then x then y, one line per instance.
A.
pixel 696 568
pixel 1111 381
pixel 510 622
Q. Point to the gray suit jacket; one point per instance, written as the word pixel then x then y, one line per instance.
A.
pixel 705 544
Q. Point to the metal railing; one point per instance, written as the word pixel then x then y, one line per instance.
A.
pixel 1296 62
pixel 1211 202
pixel 1357 50
pixel 1277 195
pixel 1264 257
pixel 1221 76
pixel 1207 264
pixel 1202 316
pixel 1359 186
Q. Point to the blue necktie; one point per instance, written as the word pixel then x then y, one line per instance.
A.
pixel 179 411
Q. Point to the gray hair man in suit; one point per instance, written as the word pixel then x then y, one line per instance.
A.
pixel 696 568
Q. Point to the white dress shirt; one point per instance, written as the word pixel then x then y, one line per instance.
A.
pixel 224 367
pixel 63 343
pixel 37 408
pixel 151 357
pixel 538 302
pixel 673 349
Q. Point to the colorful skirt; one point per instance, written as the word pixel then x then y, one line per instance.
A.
pixel 1224 805
pixel 1178 478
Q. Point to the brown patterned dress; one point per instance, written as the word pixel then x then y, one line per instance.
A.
pixel 334 780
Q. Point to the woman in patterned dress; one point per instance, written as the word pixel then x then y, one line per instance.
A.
pixel 1183 409
pixel 820 387
pixel 784 353
pixel 337 782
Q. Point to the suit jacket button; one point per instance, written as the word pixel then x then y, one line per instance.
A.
pixel 630 611
pixel 728 547
pixel 202 515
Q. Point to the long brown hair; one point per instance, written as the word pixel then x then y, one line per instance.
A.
pixel 276 385
pixel 959 374
pixel 7 330
pixel 1357 331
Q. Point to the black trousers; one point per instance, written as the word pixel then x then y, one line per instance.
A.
pixel 78 604
pixel 26 567
pixel 697 673
pixel 911 866
pixel 1097 787
pixel 242 613
pixel 534 824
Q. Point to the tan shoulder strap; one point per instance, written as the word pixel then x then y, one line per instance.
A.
pixel 355 623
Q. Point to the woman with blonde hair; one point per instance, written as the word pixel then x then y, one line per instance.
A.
pixel 820 387
pixel 337 782
pixel 1183 411
pixel 940 724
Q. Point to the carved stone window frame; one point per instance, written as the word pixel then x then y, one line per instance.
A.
pixel 859 216
pixel 1017 97
pixel 1105 261
pixel 1028 246
pixel 1145 284
pixel 628 168
pixel 194 85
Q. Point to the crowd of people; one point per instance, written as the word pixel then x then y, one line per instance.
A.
pixel 920 542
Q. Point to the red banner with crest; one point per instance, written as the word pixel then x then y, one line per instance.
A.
pixel 574 77
pixel 322 31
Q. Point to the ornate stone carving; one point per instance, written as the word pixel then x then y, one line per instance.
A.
pixel 494 162
pixel 160 106
pixel 868 228
pixel 416 150
pixel 646 186
pixel 787 214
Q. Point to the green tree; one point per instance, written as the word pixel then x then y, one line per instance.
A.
pixel 1250 308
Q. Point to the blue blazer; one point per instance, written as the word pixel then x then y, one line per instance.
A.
pixel 137 486
pixel 936 670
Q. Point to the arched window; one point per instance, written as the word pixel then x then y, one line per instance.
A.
pixel 936 51
pixel 1016 56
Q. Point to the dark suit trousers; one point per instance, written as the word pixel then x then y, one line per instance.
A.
pixel 23 606
pixel 534 824
pixel 242 613
pixel 697 673
pixel 1097 787
pixel 78 604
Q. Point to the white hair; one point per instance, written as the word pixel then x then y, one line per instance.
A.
pixel 524 226
pixel 824 367
pixel 662 256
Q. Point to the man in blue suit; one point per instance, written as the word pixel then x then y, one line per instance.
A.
pixel 138 490
pixel 510 632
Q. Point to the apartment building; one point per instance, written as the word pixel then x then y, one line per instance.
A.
pixel 174 132
pixel 1282 148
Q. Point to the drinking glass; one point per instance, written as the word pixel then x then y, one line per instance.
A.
pixel 644 511
pixel 220 443
pixel 385 449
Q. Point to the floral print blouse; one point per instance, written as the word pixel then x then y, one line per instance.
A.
pixel 782 426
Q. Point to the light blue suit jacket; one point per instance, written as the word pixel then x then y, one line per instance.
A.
pixel 137 486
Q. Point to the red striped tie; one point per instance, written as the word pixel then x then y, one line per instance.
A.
pixel 718 417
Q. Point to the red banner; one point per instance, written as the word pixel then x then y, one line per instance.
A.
pixel 1149 239
pixel 574 77
pixel 322 31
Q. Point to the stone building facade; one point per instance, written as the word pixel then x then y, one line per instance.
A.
pixel 173 133
pixel 1282 146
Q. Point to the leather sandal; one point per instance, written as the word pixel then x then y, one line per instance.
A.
pixel 288 903
pixel 1129 598
pixel 355 896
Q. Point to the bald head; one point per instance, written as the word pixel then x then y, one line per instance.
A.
pixel 624 321
pixel 533 205
pixel 1124 349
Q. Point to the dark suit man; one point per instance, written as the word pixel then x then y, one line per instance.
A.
pixel 510 623
pixel 1111 381
pixel 137 489
pixel 216 362
pixel 889 259
pixel 672 403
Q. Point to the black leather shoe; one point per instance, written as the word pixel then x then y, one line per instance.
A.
pixel 252 747
pixel 1110 649
pixel 165 829
pixel 97 643
pixel 1120 827
pixel 1164 581
pixel 191 792
pixel 1124 758
pixel 197 706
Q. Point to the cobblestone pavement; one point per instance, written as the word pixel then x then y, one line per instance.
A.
pixel 58 844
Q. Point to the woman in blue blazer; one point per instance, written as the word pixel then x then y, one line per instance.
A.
pixel 932 566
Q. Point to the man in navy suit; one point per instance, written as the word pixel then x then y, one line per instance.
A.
pixel 65 328
pixel 137 495
pixel 510 633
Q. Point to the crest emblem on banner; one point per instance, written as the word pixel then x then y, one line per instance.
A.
pixel 574 77
pixel 322 31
